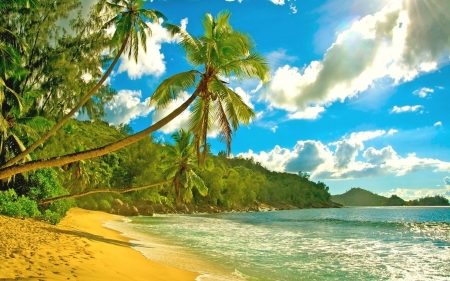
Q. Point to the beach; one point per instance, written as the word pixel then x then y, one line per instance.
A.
pixel 78 248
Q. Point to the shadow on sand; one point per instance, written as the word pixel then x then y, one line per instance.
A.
pixel 94 237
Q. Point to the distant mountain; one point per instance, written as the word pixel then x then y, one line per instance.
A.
pixel 361 197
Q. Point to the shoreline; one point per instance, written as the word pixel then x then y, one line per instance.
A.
pixel 163 250
pixel 80 247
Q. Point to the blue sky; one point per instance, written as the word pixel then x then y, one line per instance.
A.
pixel 358 96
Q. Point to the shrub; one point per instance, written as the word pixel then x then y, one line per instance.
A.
pixel 45 184
pixel 17 206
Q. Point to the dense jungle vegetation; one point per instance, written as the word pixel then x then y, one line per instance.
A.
pixel 54 61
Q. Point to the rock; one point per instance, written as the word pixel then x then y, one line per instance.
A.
pixel 117 204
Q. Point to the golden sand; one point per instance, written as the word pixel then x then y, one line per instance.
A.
pixel 79 248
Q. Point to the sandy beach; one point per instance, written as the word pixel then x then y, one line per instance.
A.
pixel 78 248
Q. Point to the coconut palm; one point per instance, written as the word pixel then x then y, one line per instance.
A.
pixel 220 53
pixel 130 29
pixel 179 162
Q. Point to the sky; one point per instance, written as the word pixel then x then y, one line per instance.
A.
pixel 358 95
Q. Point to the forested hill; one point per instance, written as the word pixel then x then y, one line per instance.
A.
pixel 232 183
pixel 361 197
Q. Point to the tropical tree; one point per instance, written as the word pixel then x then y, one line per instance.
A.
pixel 221 52
pixel 179 162
pixel 130 29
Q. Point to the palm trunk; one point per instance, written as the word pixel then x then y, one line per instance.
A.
pixel 71 113
pixel 50 200
pixel 96 152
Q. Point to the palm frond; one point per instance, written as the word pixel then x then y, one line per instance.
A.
pixel 253 66
pixel 171 87
pixel 225 131
pixel 198 183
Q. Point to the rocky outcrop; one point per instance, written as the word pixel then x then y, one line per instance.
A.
pixel 123 209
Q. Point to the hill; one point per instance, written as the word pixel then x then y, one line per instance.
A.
pixel 361 197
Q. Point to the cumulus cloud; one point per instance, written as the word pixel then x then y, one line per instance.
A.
pixel 126 106
pixel 312 112
pixel 423 92
pixel 150 62
pixel 411 194
pixel 406 108
pixel 181 121
pixel 400 42
pixel 342 162
pixel 378 157
pixel 316 153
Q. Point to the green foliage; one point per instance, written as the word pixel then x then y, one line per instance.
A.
pixel 394 200
pixel 17 206
pixel 45 184
pixel 430 201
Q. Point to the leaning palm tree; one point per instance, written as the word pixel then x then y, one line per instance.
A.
pixel 220 53
pixel 130 29
pixel 179 162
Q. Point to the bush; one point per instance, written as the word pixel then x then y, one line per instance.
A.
pixel 104 205
pixel 45 184
pixel 51 217
pixel 17 206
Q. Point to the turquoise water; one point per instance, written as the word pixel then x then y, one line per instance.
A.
pixel 389 243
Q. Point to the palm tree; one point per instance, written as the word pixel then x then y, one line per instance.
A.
pixel 179 162
pixel 130 29
pixel 221 52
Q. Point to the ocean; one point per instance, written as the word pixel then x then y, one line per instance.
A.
pixel 360 243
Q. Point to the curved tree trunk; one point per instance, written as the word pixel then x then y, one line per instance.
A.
pixel 69 115
pixel 96 152
pixel 50 200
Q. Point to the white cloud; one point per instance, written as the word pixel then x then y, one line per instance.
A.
pixel 126 106
pixel 342 163
pixel 400 42
pixel 392 131
pixel 378 157
pixel 274 160
pixel 406 108
pixel 277 2
pixel 293 8
pixel 181 121
pixel 152 61
pixel 312 112
pixel 423 92
pixel 439 123
pixel 411 194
